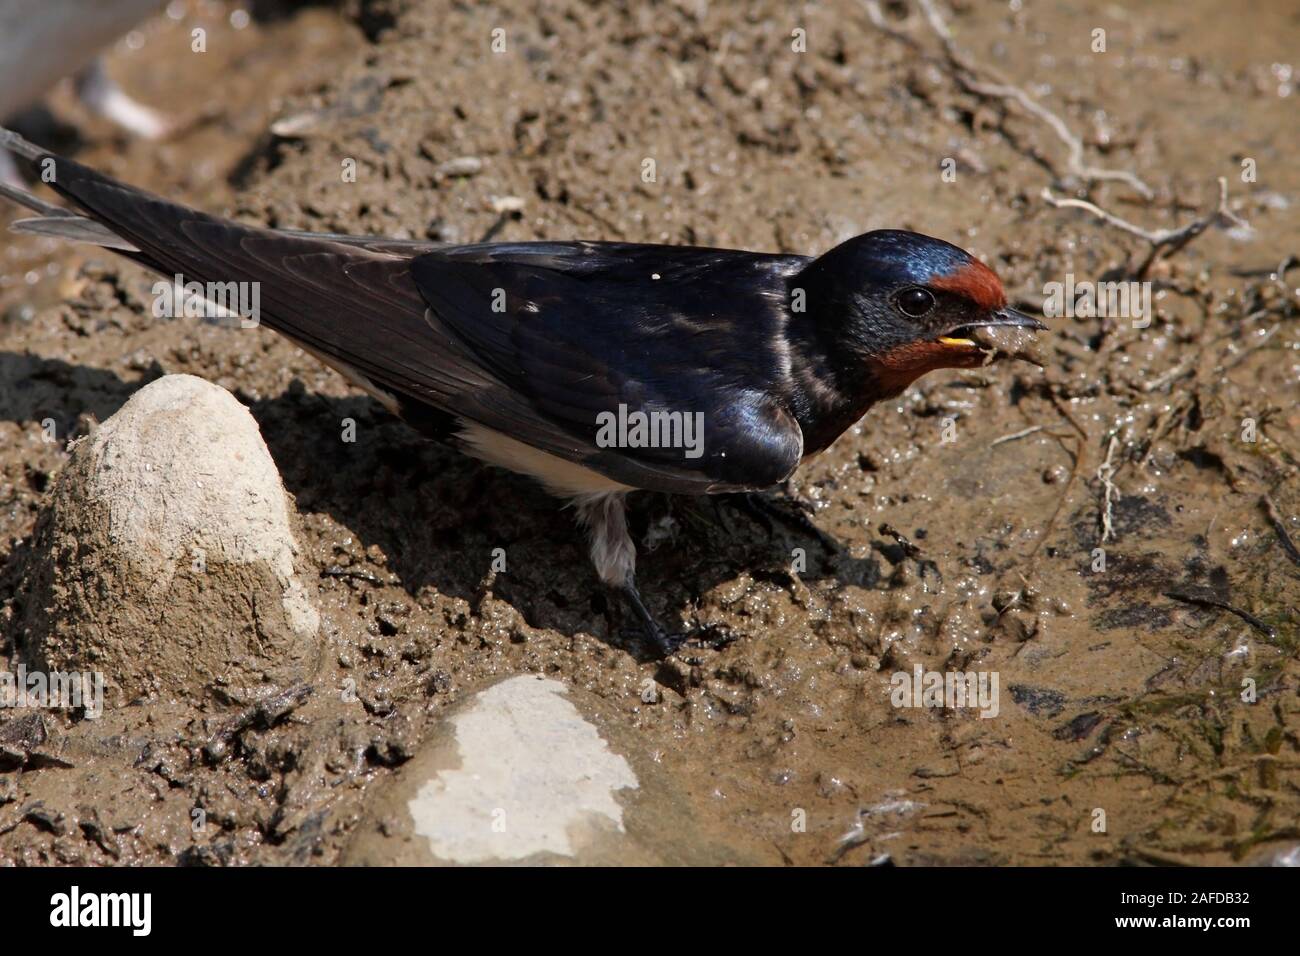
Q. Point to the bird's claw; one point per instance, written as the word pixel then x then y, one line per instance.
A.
pixel 798 501
pixel 666 644
pixel 663 643
pixel 797 517
pixel 669 644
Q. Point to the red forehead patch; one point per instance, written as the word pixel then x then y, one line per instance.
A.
pixel 977 282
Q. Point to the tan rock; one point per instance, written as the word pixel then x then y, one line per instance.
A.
pixel 165 559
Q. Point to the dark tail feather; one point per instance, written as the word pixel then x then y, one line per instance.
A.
pixel 74 182
pixel 34 203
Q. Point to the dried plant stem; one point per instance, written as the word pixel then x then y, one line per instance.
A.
pixel 1106 475
pixel 1166 241
pixel 968 77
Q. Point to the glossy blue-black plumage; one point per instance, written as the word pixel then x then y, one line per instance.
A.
pixel 536 340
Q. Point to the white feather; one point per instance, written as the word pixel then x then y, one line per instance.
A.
pixel 563 478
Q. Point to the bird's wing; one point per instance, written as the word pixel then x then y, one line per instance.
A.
pixel 594 333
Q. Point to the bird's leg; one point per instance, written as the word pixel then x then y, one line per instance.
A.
pixel 663 642
pixel 614 555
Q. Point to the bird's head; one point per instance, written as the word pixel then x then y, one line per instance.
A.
pixel 903 304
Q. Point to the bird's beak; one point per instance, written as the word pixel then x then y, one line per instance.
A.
pixel 959 338
pixel 1009 316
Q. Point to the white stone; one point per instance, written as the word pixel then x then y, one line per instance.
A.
pixel 502 803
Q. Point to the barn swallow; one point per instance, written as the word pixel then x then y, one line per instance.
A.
pixel 597 368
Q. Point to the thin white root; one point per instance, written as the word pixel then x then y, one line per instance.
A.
pixel 967 76
pixel 1160 239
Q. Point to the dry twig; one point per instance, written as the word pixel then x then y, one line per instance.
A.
pixel 1209 600
pixel 1023 433
pixel 968 78
pixel 1169 241
pixel 1164 242
pixel 1275 519
pixel 1106 475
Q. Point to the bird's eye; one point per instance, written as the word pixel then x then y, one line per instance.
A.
pixel 915 302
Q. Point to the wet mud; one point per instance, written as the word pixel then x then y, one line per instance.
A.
pixel 1111 535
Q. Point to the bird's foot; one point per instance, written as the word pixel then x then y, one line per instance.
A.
pixel 665 643
pixel 790 510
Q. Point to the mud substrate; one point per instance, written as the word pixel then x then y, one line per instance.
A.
pixel 1120 689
